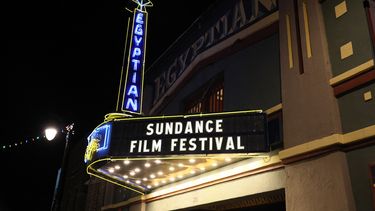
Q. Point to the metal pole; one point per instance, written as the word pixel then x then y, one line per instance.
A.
pixel 56 203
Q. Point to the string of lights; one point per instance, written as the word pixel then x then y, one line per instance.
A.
pixel 24 142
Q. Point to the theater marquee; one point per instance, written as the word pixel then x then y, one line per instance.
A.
pixel 215 133
pixel 204 137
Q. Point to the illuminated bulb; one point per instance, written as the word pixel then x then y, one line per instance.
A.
pixel 156 184
pixel 160 173
pixel 111 170
pixel 50 133
pixel 126 162
pixel 228 159
pixel 202 168
pixel 171 168
pixel 138 181
pixel 180 176
pixel 125 176
pixel 117 167
pixel 132 173
pixel 137 170
pixel 157 161
pixel 145 179
pixel 152 176
pixel 127 181
pixel 163 181
pixel 192 172
pixel 149 186
pixel 172 179
pixel 214 164
pixel 192 161
pixel 147 165
pixel 180 165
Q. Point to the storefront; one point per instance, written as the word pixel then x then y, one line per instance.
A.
pixel 259 105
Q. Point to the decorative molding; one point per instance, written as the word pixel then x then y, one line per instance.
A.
pixel 328 141
pixel 289 41
pixel 307 30
pixel 367 96
pixel 354 82
pixel 274 109
pixel 346 50
pixel 340 9
pixel 352 72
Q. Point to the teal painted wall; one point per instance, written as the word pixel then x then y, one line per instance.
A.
pixel 251 78
pixel 352 26
pixel 358 162
pixel 355 112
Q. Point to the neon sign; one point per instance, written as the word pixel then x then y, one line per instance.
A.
pixel 98 141
pixel 133 89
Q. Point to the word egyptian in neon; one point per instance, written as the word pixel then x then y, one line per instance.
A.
pixel 134 78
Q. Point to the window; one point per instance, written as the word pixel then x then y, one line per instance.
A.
pixel 208 99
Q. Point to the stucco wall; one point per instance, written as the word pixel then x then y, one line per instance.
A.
pixel 319 184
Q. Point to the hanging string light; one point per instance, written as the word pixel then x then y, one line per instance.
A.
pixel 25 142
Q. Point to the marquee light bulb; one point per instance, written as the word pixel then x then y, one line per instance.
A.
pixel 132 173
pixel 147 165
pixel 191 160
pixel 157 161
pixel 117 167
pixel 171 168
pixel 137 170
pixel 126 162
pixel 152 176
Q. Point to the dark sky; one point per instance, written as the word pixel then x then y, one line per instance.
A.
pixel 62 64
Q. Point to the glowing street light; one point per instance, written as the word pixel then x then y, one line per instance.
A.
pixel 50 133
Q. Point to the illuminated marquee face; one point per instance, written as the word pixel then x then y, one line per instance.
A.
pixel 134 79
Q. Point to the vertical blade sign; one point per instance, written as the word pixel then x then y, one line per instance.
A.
pixel 133 89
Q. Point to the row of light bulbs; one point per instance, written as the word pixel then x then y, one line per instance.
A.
pixel 136 170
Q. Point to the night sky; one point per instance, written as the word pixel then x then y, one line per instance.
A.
pixel 62 64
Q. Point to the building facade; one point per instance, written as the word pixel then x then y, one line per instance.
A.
pixel 309 65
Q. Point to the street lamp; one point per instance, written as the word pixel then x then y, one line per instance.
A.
pixel 50 135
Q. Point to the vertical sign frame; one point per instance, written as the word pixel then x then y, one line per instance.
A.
pixel 133 88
